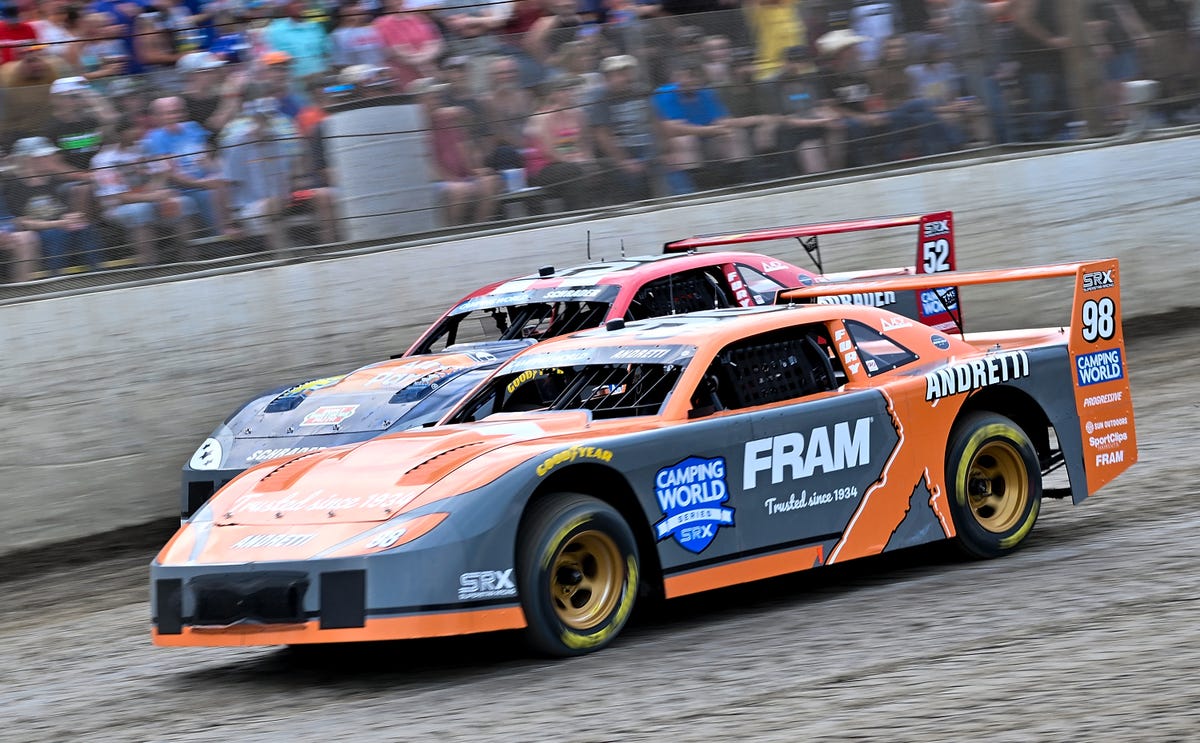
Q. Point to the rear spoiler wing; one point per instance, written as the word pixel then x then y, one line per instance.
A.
pixel 935 254
pixel 1096 344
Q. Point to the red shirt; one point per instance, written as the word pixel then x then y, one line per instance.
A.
pixel 11 35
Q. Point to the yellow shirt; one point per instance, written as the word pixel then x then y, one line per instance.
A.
pixel 777 27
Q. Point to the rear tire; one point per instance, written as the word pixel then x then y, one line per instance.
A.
pixel 994 482
pixel 578 573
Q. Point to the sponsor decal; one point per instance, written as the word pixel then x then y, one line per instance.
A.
pixel 935 227
pixel 740 292
pixel 1108 440
pixel 1105 399
pixel 329 415
pixel 1111 423
pixel 870 299
pixel 769 266
pixel 486 584
pixel 584 293
pixel 309 387
pixel 966 376
pixel 872 366
pixel 894 323
pixel 407 374
pixel 572 454
pixel 1097 280
pixel 849 358
pixel 208 456
pixel 262 455
pixel 690 495
pixel 1112 457
pixel 937 301
pixel 799 455
pixel 640 354
pixel 775 505
pixel 318 500
pixel 256 541
pixel 528 376
pixel 939 341
pixel 1099 366
pixel 385 539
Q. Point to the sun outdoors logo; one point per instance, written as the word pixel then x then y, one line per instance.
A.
pixel 690 495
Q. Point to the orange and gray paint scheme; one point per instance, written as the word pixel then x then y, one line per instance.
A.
pixel 415 534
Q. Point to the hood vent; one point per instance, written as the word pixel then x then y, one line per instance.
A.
pixel 435 458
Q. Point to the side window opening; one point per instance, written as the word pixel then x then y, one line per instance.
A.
pixel 759 282
pixel 878 352
pixel 774 367
pixel 690 291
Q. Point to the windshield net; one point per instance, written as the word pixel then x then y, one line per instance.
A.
pixel 538 320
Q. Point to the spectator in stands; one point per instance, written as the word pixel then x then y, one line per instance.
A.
pixel 507 107
pixel 972 27
pixel 455 74
pixel 259 150
pixel 413 43
pixel 356 40
pixel 624 129
pixel 302 39
pixel 133 193
pixel 79 117
pixel 153 47
pixel 705 146
pixel 1170 54
pixel 211 99
pixel 561 24
pixel 560 157
pixel 579 59
pixel 21 247
pixel 471 25
pixel 122 18
pixel 36 197
pixel 847 91
pixel 276 74
pixel 462 179
pixel 1040 40
pixel 810 132
pixel 937 81
pixel 14 33
pixel 26 89
pixel 53 28
pixel 231 43
pixel 777 26
pixel 913 126
pixel 99 55
pixel 191 168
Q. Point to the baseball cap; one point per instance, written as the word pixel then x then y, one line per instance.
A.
pixel 274 58
pixel 33 147
pixel 69 85
pixel 618 62
pixel 835 41
pixel 195 61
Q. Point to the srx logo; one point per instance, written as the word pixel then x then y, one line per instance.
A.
pixel 486 583
pixel 1096 280
pixel 937 227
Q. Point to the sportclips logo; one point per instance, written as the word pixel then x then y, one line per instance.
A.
pixel 690 495
pixel 975 374
pixel 797 456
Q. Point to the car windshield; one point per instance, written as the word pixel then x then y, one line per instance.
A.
pixel 610 385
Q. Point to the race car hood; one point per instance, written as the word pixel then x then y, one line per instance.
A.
pixel 368 400
pixel 380 478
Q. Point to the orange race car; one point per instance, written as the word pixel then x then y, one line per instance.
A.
pixel 671 455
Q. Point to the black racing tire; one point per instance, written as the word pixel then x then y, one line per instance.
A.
pixel 578 574
pixel 994 482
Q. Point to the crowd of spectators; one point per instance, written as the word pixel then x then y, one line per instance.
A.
pixel 146 124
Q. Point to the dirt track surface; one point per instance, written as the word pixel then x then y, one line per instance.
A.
pixel 1089 633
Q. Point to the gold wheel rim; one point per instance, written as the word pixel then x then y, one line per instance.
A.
pixel 585 580
pixel 998 487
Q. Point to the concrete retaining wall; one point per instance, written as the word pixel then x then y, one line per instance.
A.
pixel 104 395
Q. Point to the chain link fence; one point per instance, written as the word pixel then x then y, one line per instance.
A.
pixel 205 163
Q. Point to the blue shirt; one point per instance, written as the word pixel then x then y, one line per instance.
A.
pixel 189 146
pixel 700 108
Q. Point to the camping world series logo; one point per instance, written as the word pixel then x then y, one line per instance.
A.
pixel 690 495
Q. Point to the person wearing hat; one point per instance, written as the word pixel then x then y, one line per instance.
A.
pixel 848 94
pixel 625 130
pixel 211 97
pixel 37 199
pixel 79 118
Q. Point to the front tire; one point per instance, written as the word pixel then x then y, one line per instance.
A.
pixel 995 484
pixel 578 572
